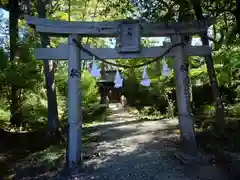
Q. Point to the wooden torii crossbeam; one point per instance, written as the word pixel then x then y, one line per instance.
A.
pixel 129 34
pixel 111 29
pixel 62 52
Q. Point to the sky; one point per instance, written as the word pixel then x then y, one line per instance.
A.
pixel 5 13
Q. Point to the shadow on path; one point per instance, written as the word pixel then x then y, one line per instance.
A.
pixel 135 149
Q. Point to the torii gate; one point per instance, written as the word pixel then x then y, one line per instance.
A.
pixel 129 34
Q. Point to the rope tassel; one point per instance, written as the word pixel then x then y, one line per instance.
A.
pixel 95 72
pixel 165 69
pixel 145 81
pixel 118 80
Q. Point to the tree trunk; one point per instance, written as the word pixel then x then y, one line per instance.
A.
pixel 53 121
pixel 237 15
pixel 220 120
pixel 15 108
pixel 103 76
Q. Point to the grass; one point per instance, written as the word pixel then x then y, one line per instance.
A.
pixel 49 159
pixel 229 140
pixel 97 119
pixel 31 155
pixel 148 113
pixel 204 124
pixel 22 156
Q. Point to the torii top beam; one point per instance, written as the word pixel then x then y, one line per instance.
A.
pixel 111 29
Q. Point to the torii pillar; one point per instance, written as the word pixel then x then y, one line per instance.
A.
pixel 74 157
pixel 186 121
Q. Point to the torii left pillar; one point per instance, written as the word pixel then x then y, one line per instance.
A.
pixel 74 147
pixel 186 122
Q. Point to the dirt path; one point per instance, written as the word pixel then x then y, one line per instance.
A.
pixel 133 149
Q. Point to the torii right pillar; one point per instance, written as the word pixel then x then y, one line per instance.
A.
pixel 186 121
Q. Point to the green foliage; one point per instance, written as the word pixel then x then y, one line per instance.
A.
pixel 160 94
pixel 150 111
pixel 61 80
pixel 94 113
pixel 17 73
pixel 208 110
pixel 48 158
pixel 90 94
pixel 89 88
pixel 234 110
pixel 26 73
pixel 4 113
pixel 26 66
pixel 238 91
pixel 34 111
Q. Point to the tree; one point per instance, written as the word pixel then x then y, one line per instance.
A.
pixel 17 8
pixel 211 71
pixel 237 15
pixel 53 121
pixel 15 107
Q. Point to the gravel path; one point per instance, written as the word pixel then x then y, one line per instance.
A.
pixel 131 149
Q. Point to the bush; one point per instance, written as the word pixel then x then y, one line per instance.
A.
pixel 4 113
pixel 90 92
pixel 234 111
pixel 94 113
pixel 35 111
pixel 89 89
pixel 238 91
